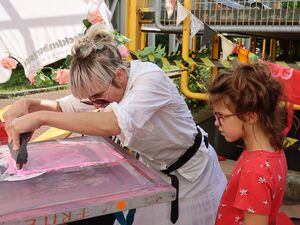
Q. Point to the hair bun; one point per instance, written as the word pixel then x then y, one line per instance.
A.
pixel 95 38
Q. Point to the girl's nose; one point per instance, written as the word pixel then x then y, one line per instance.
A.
pixel 217 123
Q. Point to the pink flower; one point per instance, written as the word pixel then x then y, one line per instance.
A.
pixel 9 63
pixel 124 51
pixel 31 77
pixel 62 76
pixel 95 17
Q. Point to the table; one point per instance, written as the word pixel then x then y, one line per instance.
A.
pixel 107 185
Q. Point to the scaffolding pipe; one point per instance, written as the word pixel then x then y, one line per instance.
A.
pixel 158 18
pixel 224 27
pixel 261 28
pixel 185 55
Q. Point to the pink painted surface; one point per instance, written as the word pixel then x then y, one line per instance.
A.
pixel 65 154
pixel 91 175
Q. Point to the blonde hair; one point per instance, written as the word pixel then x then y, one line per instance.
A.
pixel 95 59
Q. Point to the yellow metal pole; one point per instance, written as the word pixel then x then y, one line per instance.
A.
pixel 215 54
pixel 143 39
pixel 273 48
pixel 194 43
pixel 194 40
pixel 277 4
pixel 263 51
pixel 144 34
pixel 185 54
pixel 194 49
pixel 133 27
pixel 253 44
pixel 240 40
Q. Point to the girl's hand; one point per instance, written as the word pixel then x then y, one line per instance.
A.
pixel 26 123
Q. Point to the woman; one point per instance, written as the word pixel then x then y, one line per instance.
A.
pixel 143 108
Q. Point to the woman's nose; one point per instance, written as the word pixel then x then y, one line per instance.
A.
pixel 98 106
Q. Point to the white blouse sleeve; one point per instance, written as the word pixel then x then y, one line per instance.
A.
pixel 148 94
pixel 71 104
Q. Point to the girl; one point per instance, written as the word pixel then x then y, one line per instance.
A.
pixel 246 105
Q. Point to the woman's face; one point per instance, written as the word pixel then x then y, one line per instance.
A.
pixel 228 122
pixel 110 92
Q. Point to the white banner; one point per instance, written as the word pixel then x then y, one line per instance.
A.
pixel 170 6
pixel 104 12
pixel 40 32
pixel 4 73
pixel 227 46
pixel 182 13
pixel 196 25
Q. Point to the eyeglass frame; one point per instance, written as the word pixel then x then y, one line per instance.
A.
pixel 219 116
pixel 99 101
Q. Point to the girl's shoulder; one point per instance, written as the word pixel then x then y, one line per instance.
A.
pixel 262 161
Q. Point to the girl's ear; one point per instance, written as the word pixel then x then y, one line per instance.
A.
pixel 251 117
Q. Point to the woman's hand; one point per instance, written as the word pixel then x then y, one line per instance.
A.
pixel 18 109
pixel 26 123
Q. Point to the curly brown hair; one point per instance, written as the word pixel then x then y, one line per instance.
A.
pixel 251 88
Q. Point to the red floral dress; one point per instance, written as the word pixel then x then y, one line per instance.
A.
pixel 256 185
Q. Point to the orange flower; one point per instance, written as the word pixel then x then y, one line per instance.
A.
pixel 95 17
pixel 31 77
pixel 62 76
pixel 9 63
pixel 124 52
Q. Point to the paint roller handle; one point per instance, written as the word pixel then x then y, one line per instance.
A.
pixel 22 152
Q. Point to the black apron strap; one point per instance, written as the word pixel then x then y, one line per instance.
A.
pixel 176 165
pixel 174 204
pixel 187 155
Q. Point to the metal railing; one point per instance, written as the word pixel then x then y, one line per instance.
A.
pixel 233 16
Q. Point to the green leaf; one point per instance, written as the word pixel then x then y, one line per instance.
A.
pixel 158 62
pixel 53 75
pixel 120 39
pixel 146 51
pixel 144 58
pixel 86 23
pixel 42 80
pixel 160 50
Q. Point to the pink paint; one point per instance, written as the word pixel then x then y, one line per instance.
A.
pixel 46 157
pixel 77 193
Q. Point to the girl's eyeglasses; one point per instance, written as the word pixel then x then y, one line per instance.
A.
pixel 99 101
pixel 220 116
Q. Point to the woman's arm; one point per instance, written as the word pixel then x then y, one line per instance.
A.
pixel 38 105
pixel 26 106
pixel 90 123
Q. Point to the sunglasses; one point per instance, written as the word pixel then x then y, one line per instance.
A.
pixel 220 116
pixel 99 101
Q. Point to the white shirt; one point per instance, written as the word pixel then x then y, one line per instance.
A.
pixel 154 120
